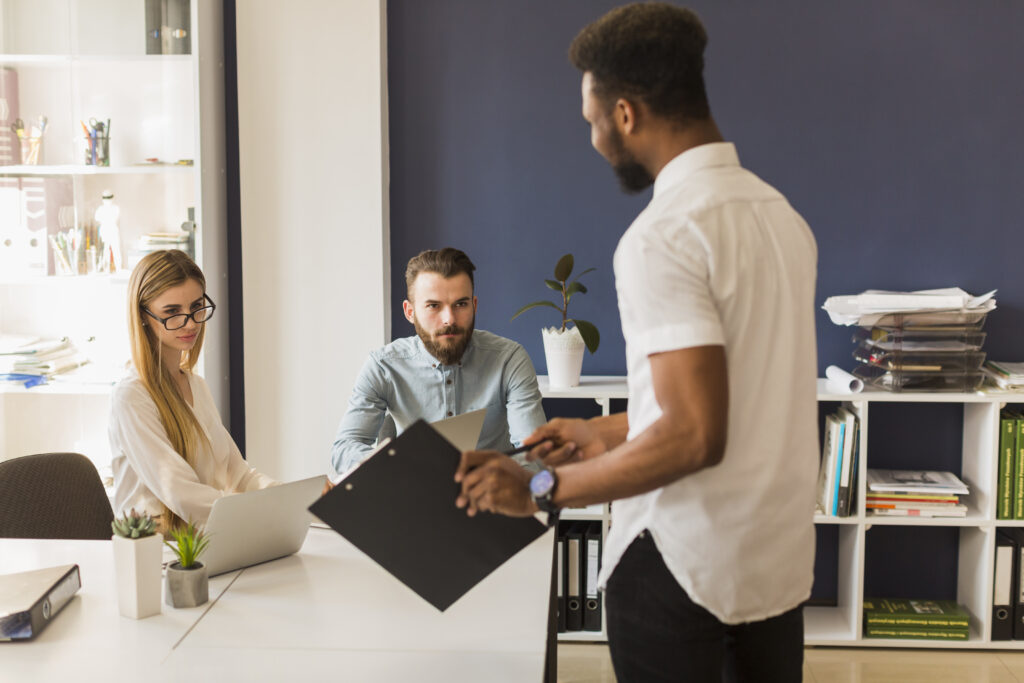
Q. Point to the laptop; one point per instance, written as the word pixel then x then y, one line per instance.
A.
pixel 257 526
pixel 462 431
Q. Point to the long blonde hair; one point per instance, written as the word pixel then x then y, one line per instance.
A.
pixel 156 273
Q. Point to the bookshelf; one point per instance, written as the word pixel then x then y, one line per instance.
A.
pixel 973 536
pixel 71 61
pixel 602 389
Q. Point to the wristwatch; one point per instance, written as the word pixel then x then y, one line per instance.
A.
pixel 542 489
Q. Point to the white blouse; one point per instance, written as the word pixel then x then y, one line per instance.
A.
pixel 149 473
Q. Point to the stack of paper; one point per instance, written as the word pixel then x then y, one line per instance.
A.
pixel 1005 375
pixel 872 306
pixel 915 493
pixel 38 357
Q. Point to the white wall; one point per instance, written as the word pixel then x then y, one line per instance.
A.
pixel 312 154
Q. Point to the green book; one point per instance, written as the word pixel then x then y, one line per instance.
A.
pixel 917 633
pixel 1007 441
pixel 1018 471
pixel 916 614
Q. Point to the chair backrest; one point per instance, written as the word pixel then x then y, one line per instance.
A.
pixel 53 495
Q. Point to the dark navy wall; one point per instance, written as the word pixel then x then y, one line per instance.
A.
pixel 895 128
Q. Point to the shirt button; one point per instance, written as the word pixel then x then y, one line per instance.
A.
pixel 449 413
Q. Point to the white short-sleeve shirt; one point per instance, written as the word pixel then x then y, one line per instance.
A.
pixel 719 257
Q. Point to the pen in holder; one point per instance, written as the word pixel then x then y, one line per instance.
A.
pixel 31 150
pixel 97 150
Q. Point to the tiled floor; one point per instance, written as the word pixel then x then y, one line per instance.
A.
pixel 590 663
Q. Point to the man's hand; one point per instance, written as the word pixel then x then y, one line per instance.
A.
pixel 327 487
pixel 493 482
pixel 564 440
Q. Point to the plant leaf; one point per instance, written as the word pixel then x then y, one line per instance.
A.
pixel 584 273
pixel 563 269
pixel 591 337
pixel 575 287
pixel 554 284
pixel 534 305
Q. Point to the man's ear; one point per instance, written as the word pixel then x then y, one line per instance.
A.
pixel 625 115
pixel 474 305
pixel 408 309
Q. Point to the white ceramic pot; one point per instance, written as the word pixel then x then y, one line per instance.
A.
pixel 137 565
pixel 187 587
pixel 564 354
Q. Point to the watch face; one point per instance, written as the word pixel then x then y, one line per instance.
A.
pixel 542 483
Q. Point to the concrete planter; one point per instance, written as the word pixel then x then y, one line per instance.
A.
pixel 563 352
pixel 187 587
pixel 137 564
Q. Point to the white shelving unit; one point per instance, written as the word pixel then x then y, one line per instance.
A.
pixel 72 60
pixel 602 389
pixel 842 625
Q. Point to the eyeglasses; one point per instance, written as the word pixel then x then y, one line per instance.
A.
pixel 179 320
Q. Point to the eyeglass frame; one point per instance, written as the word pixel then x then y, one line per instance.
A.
pixel 188 316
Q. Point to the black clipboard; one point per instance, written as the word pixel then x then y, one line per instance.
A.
pixel 398 507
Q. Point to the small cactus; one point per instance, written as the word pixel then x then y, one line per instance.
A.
pixel 134 525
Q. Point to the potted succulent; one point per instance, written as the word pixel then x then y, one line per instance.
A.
pixel 563 346
pixel 187 581
pixel 137 562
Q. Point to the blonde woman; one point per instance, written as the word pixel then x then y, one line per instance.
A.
pixel 172 456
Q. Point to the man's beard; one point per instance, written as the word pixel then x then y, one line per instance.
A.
pixel 633 177
pixel 448 352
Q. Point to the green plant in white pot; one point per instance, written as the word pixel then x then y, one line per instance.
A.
pixel 137 564
pixel 187 580
pixel 563 346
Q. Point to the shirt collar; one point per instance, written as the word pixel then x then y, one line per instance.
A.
pixel 693 160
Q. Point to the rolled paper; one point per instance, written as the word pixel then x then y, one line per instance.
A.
pixel 842 382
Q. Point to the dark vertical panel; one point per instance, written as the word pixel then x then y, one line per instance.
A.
pixel 236 355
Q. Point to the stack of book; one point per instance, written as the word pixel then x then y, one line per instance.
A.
pixel 1010 492
pixel 915 493
pixel 916 619
pixel 837 475
pixel 31 361
pixel 927 340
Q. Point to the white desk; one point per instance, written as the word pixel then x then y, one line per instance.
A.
pixel 601 388
pixel 328 611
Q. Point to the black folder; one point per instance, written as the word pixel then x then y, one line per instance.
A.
pixel 1003 588
pixel 1016 534
pixel 591 595
pixel 398 507
pixel 574 559
pixel 561 583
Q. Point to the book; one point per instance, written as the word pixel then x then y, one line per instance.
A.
pixel 955 511
pixel 826 470
pixel 917 633
pixel 1018 470
pixel 1007 437
pixel 915 481
pixel 845 465
pixel 940 614
pixel 911 505
pixel 886 496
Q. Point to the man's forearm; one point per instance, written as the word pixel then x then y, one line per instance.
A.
pixel 662 454
pixel 611 429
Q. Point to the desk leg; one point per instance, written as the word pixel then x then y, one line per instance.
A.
pixel 606 405
pixel 551 654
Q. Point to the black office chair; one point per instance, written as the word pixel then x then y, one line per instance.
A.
pixel 53 495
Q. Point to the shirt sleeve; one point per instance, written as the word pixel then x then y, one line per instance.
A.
pixel 664 284
pixel 362 422
pixel 136 423
pixel 522 397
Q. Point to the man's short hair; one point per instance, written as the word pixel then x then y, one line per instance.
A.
pixel 447 262
pixel 650 51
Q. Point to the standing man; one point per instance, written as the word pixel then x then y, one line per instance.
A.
pixel 446 369
pixel 713 468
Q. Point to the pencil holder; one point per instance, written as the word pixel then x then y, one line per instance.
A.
pixel 31 150
pixel 97 150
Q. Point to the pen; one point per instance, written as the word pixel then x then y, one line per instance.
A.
pixel 523 449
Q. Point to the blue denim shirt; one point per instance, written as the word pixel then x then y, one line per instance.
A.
pixel 405 381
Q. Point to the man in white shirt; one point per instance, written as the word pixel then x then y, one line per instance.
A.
pixel 713 468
